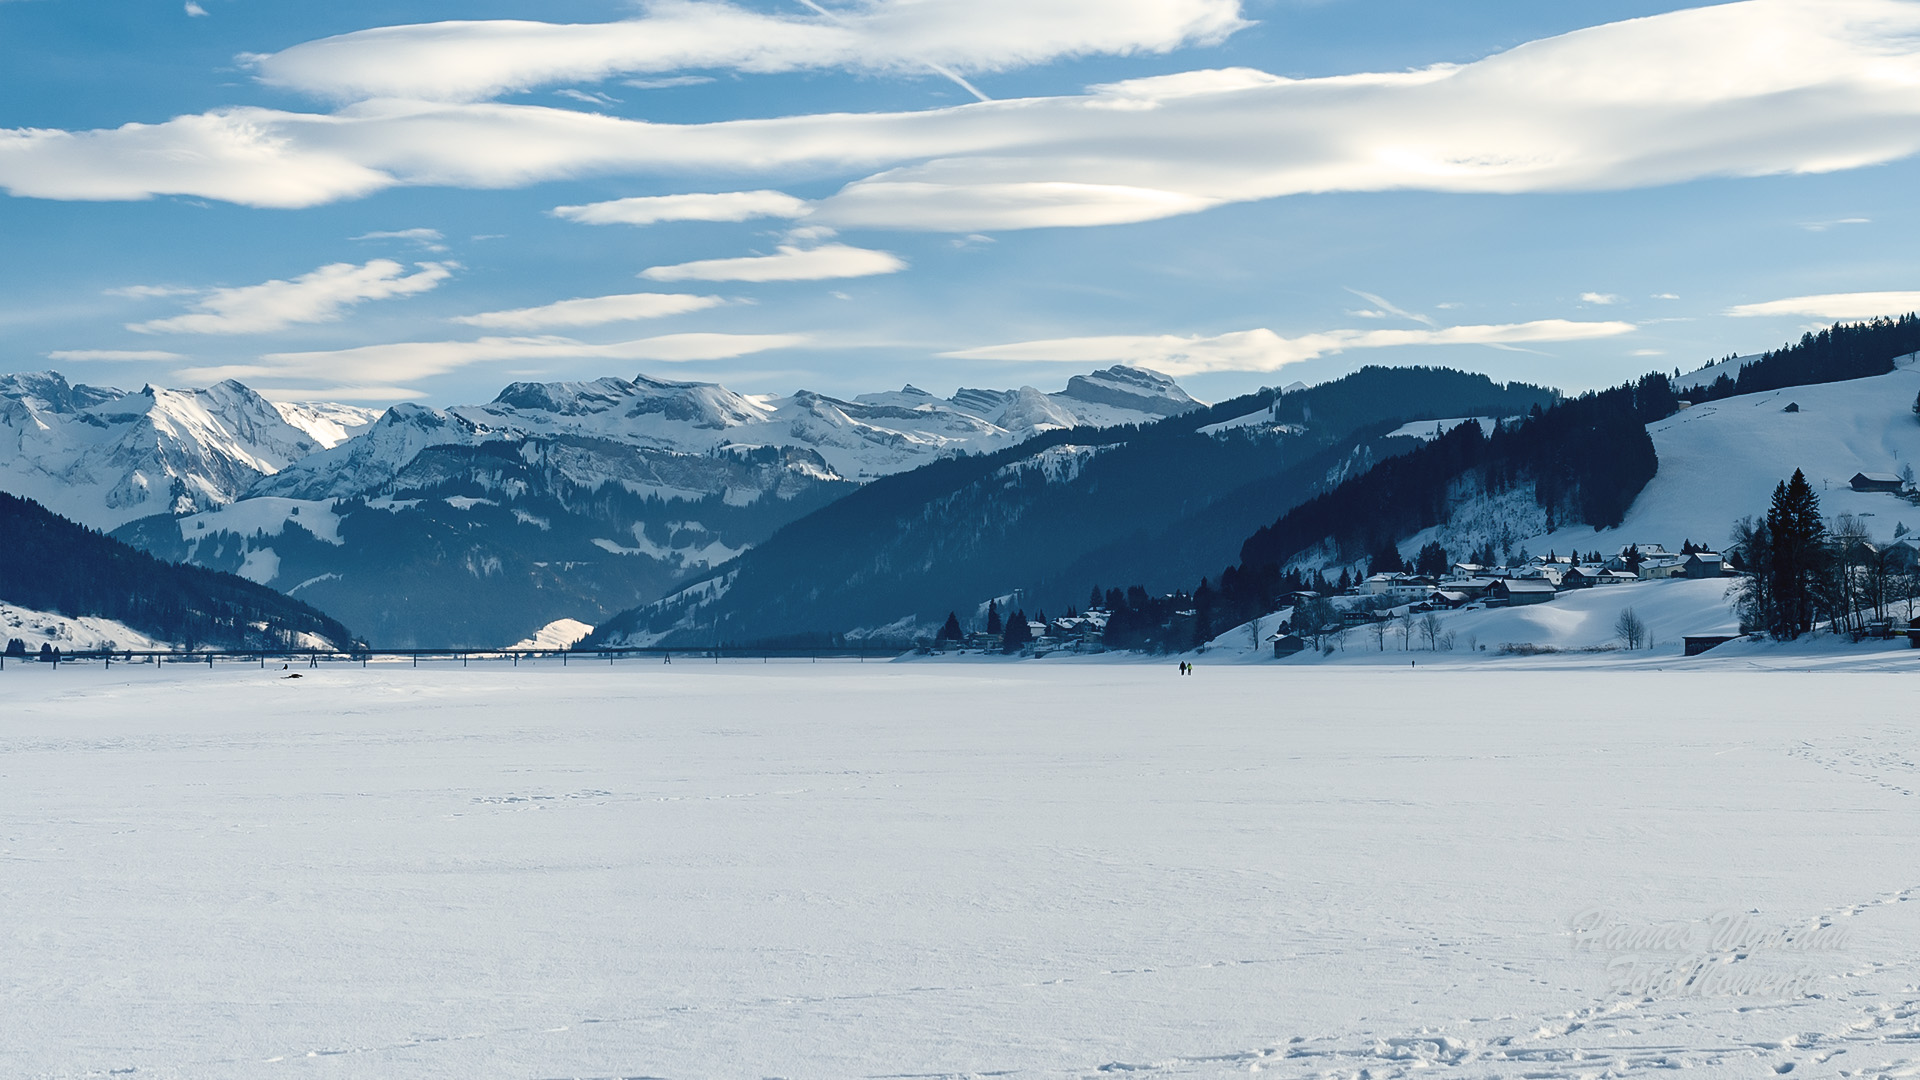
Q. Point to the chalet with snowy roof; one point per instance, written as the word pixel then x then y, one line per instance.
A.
pixel 1663 567
pixel 1615 577
pixel 1475 587
pixel 1580 577
pixel 1519 592
pixel 1619 561
pixel 1704 564
pixel 1449 599
pixel 1877 482
pixel 1285 645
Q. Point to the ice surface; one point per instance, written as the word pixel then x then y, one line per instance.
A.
pixel 1030 870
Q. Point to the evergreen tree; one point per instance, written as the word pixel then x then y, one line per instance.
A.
pixel 1799 557
pixel 1387 560
pixel 1093 598
pixel 1432 561
pixel 1018 634
pixel 46 653
pixel 993 616
pixel 16 647
pixel 1345 582
pixel 950 631
pixel 1203 613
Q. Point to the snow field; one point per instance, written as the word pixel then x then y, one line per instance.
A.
pixel 1033 870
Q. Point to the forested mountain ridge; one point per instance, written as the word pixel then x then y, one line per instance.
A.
pixel 55 565
pixel 896 556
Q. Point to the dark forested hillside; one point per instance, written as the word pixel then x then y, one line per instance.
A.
pixel 48 563
pixel 1587 459
pixel 1843 351
pixel 1128 504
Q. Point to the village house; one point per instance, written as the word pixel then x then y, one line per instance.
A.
pixel 1518 592
pixel 1580 577
pixel 1704 564
pixel 1877 482
pixel 1662 567
pixel 1618 560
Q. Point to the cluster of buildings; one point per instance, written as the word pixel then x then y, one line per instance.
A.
pixel 1539 579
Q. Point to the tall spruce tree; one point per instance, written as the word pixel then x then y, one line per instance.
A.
pixel 1799 557
pixel 950 631
pixel 993 616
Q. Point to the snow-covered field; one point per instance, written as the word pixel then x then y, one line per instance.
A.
pixel 1029 870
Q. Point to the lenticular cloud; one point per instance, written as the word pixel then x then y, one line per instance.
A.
pixel 1745 89
pixel 469 61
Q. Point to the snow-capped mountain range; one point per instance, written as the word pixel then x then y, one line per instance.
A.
pixel 870 436
pixel 558 499
pixel 105 457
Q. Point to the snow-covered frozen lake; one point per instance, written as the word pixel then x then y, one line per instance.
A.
pixel 843 870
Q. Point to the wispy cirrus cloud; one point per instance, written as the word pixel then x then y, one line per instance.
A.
pixel 826 262
pixel 1263 350
pixel 1854 305
pixel 592 311
pixel 429 239
pixel 89 355
pixel 720 206
pixel 465 61
pixel 388 363
pixel 322 295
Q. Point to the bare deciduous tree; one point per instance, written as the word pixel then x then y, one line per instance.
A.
pixel 1430 630
pixel 1631 629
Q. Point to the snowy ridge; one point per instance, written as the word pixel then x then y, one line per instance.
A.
pixel 104 457
pixel 325 422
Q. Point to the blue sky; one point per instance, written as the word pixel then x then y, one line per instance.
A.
pixel 1264 191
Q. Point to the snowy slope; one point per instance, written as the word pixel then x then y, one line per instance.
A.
pixel 1720 461
pixel 325 422
pixel 558 634
pixel 69 633
pixel 104 457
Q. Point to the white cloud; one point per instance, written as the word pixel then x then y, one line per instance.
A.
pixel 84 355
pixel 430 239
pixel 195 10
pixel 421 359
pixel 1753 88
pixel 1264 350
pixel 592 311
pixel 1666 296
pixel 822 263
pixel 298 394
pixel 1600 298
pixel 1387 307
pixel 1823 226
pixel 150 292
pixel 669 82
pixel 320 296
pixel 1858 305
pixel 722 206
pixel 466 61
